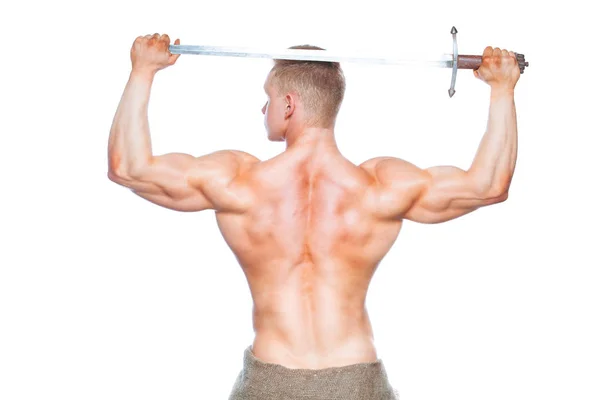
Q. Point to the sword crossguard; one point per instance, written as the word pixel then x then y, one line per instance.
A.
pixel 451 91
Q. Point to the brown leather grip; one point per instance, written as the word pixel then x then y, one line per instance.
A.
pixel 473 62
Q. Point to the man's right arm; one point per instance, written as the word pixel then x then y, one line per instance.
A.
pixel 429 196
pixel 443 193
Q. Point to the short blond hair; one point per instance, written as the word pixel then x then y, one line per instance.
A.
pixel 320 86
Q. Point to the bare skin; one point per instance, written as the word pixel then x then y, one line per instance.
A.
pixel 309 227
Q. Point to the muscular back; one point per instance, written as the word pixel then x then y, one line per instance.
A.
pixel 309 246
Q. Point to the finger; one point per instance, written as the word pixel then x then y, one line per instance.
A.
pixel 163 41
pixel 488 51
pixel 504 53
pixel 497 52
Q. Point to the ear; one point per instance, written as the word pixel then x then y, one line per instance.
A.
pixel 290 105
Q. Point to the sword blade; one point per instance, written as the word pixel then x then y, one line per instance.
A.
pixel 445 61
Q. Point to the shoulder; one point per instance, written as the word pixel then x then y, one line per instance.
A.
pixel 223 178
pixel 220 168
pixel 228 162
pixel 395 186
pixel 242 156
pixel 387 169
pixel 235 156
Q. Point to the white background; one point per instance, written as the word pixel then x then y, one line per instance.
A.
pixel 104 295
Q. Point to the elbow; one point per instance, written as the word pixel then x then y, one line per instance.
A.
pixel 115 169
pixel 493 194
pixel 496 189
pixel 499 196
pixel 500 190
pixel 118 178
pixel 119 171
pixel 120 175
pixel 503 197
pixel 115 178
pixel 112 175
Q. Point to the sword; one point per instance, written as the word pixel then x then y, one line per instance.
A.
pixel 455 61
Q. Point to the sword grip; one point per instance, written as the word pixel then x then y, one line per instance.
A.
pixel 473 62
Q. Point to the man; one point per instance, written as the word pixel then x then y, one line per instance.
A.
pixel 309 227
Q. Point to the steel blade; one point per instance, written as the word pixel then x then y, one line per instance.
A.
pixel 444 61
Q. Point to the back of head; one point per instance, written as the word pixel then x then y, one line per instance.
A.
pixel 319 85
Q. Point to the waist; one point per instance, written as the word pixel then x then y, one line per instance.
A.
pixel 314 351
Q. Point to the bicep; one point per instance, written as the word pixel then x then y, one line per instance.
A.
pixel 432 195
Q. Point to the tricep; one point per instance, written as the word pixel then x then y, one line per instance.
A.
pixel 186 183
pixel 431 195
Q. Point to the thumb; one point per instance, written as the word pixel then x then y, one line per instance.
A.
pixel 174 57
pixel 476 73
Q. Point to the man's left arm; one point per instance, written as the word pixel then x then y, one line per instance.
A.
pixel 177 181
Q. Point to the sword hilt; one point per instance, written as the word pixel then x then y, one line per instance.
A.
pixel 474 62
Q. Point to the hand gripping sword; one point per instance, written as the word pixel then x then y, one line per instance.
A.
pixel 455 61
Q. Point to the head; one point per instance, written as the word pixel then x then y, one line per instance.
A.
pixel 304 94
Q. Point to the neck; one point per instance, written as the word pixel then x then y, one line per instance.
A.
pixel 311 138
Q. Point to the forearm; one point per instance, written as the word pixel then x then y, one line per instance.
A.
pixel 494 163
pixel 129 145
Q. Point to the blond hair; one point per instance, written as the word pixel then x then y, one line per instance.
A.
pixel 320 86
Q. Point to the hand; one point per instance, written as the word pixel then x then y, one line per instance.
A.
pixel 151 53
pixel 499 68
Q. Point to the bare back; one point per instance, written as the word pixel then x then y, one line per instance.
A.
pixel 309 247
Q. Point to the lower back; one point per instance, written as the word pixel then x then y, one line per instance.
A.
pixel 310 325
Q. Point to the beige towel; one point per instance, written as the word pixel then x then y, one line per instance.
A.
pixel 259 380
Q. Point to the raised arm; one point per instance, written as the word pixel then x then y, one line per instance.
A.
pixel 439 194
pixel 177 181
